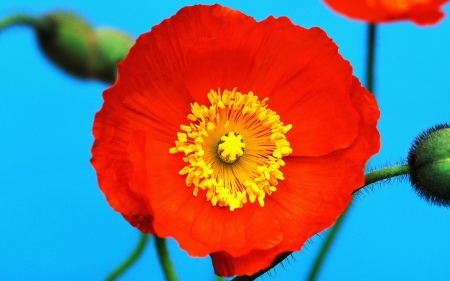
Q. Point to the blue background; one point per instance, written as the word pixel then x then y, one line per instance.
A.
pixel 56 225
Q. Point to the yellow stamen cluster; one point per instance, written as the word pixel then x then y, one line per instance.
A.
pixel 233 149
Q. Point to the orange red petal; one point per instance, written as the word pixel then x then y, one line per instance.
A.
pixel 208 47
pixel 294 67
pixel 421 12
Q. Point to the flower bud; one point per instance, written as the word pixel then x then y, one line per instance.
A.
pixel 73 45
pixel 69 43
pixel 429 165
pixel 112 47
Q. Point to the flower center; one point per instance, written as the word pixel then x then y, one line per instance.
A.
pixel 213 146
pixel 230 148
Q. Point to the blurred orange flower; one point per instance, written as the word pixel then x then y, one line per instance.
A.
pixel 421 12
pixel 240 139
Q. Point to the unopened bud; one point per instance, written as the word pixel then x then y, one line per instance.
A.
pixel 112 47
pixel 73 45
pixel 70 43
pixel 429 165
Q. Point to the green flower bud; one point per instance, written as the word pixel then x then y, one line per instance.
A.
pixel 112 47
pixel 429 165
pixel 70 43
pixel 73 45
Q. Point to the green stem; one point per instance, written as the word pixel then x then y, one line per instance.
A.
pixel 164 259
pixel 325 247
pixel 385 173
pixel 370 178
pixel 143 239
pixel 20 19
pixel 370 65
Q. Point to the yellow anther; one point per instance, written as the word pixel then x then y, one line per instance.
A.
pixel 185 170
pixel 186 128
pixel 261 201
pixel 287 128
pixel 230 148
pixel 182 137
pixel 211 126
pixel 262 116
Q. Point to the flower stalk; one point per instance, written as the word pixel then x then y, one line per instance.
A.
pixel 315 269
pixel 370 65
pixel 164 260
pixel 132 258
pixel 385 173
pixel 21 19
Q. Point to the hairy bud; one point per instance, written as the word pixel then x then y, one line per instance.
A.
pixel 429 165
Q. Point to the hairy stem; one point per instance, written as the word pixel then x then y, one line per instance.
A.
pixel 385 173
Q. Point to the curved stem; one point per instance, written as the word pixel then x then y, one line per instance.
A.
pixel 370 65
pixel 372 177
pixel 116 273
pixel 20 19
pixel 385 173
pixel 164 259
pixel 325 247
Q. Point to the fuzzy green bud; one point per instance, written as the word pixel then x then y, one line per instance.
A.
pixel 112 47
pixel 429 165
pixel 70 43
pixel 73 45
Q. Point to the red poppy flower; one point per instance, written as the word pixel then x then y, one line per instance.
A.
pixel 421 12
pixel 240 139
